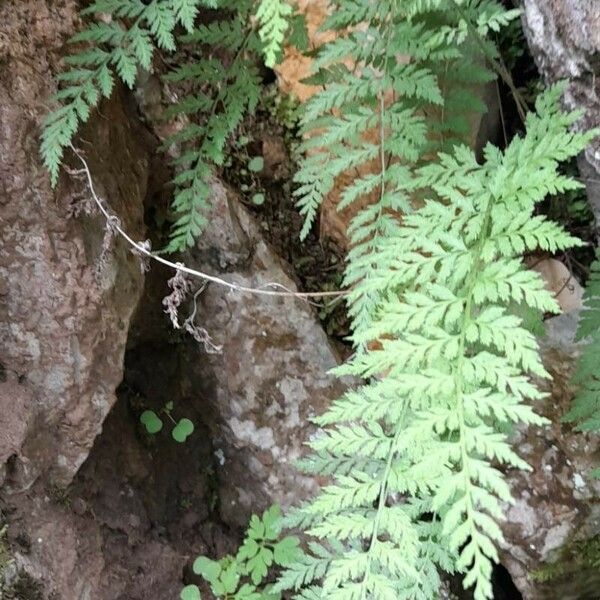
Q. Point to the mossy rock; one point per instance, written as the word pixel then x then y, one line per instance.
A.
pixel 574 558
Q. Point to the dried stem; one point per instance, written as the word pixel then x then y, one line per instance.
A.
pixel 144 251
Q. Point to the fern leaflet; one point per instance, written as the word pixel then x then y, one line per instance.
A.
pixel 586 406
pixel 113 47
pixel 273 17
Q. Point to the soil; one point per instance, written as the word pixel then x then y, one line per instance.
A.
pixel 318 262
pixel 141 507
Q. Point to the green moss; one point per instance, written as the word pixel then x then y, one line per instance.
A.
pixel 282 107
pixel 59 495
pixel 5 555
pixel 27 588
pixel 575 556
pixel 17 585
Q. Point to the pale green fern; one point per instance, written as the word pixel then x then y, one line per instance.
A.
pixel 586 406
pixel 431 110
pixel 415 452
pixel 123 40
pixel 273 17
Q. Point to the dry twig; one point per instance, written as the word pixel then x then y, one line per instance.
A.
pixel 143 250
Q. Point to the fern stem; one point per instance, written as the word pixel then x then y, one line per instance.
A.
pixel 142 250
pixel 399 426
pixel 381 503
pixel 458 368
pixel 382 172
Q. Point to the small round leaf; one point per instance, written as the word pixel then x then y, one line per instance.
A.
pixel 256 164
pixel 206 568
pixel 190 592
pixel 182 430
pixel 258 199
pixel 151 421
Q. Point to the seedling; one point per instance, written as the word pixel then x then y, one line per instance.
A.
pixel 256 164
pixel 239 577
pixel 153 423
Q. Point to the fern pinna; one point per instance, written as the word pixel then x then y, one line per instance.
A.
pixel 415 453
pixel 585 410
pixel 111 46
pixel 223 88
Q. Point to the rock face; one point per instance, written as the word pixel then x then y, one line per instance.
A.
pixel 552 530
pixel 63 322
pixel 271 376
pixel 552 545
pixel 564 38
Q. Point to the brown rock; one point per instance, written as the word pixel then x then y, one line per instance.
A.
pixel 295 66
pixel 561 282
pixel 62 328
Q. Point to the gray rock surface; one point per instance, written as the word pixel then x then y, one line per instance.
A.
pixel 63 325
pixel 272 374
pixel 564 38
pixel 552 529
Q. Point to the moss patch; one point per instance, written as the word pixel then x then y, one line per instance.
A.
pixel 576 556
pixel 5 555
pixel 13 585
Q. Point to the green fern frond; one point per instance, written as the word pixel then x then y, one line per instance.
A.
pixel 223 33
pixel 585 410
pixel 435 300
pixel 123 49
pixel 273 18
pixel 223 96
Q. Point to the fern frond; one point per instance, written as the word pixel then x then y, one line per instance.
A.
pixel 585 411
pixel 235 92
pixel 123 50
pixel 449 361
